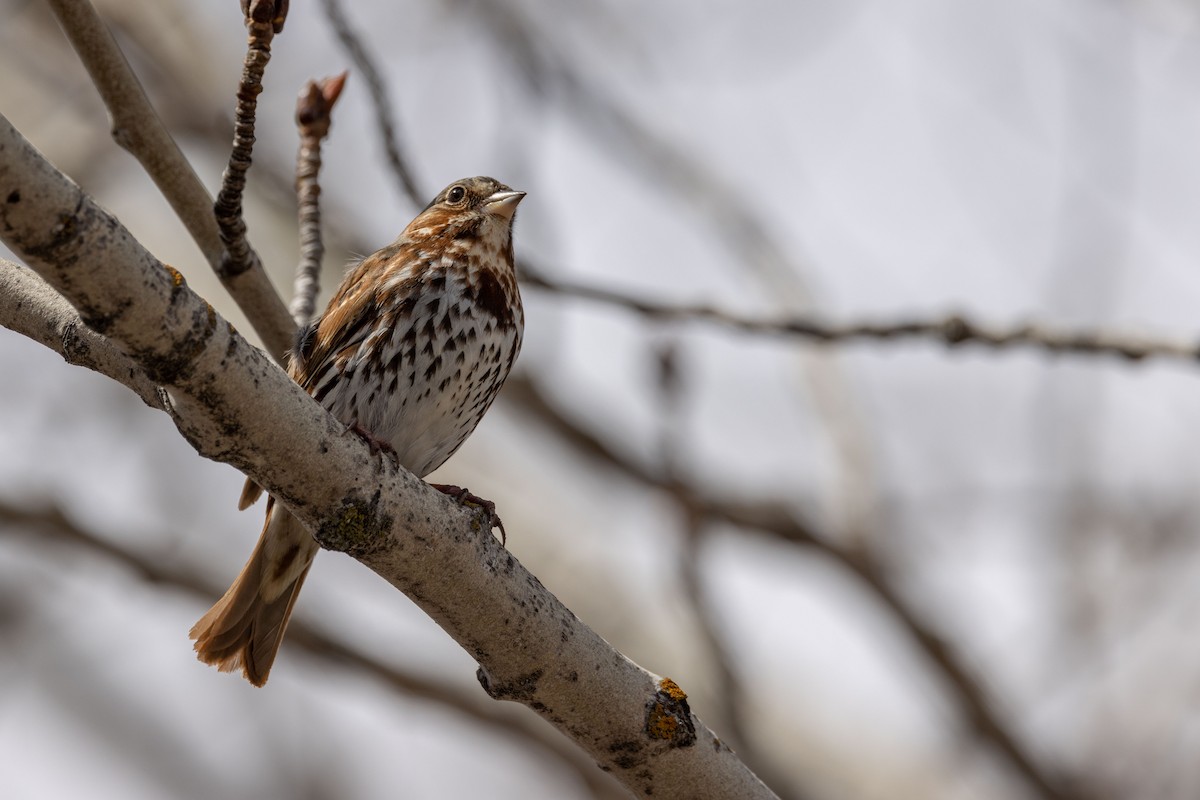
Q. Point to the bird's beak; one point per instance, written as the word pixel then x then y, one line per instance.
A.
pixel 503 204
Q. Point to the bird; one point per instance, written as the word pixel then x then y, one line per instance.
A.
pixel 409 353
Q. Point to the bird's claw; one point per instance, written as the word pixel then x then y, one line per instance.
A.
pixel 376 446
pixel 466 498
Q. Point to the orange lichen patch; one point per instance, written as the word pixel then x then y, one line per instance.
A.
pixel 661 724
pixel 671 689
pixel 668 716
pixel 176 276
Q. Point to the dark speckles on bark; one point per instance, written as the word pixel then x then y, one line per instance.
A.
pixel 522 689
pixel 167 369
pixel 627 754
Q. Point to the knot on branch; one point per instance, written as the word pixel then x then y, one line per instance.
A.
pixel 956 330
pixel 668 716
pixel 522 689
pixel 359 528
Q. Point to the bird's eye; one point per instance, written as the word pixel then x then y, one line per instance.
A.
pixel 455 195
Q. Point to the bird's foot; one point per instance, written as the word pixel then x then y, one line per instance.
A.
pixel 377 446
pixel 466 498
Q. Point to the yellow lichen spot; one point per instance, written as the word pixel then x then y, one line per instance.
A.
pixel 668 717
pixel 176 276
pixel 671 689
pixel 661 724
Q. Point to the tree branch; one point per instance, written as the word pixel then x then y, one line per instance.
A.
pixel 31 307
pixel 313 110
pixel 234 405
pixel 952 330
pixel 137 128
pixel 264 18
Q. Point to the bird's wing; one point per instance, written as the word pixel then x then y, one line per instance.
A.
pixel 345 324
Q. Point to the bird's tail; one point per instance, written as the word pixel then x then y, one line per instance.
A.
pixel 245 627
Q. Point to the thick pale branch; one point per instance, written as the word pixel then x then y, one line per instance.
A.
pixel 234 405
pixel 137 128
pixel 29 306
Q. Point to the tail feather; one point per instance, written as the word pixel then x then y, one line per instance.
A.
pixel 245 627
pixel 251 491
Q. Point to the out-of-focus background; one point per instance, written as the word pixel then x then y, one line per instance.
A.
pixel 912 571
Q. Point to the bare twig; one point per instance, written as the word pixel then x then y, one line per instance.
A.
pixel 313 118
pixel 51 522
pixel 952 330
pixel 264 18
pixel 779 520
pixel 137 128
pixel 384 115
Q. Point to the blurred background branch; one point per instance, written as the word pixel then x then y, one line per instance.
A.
pixel 46 529
pixel 951 330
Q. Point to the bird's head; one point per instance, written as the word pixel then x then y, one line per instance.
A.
pixel 472 208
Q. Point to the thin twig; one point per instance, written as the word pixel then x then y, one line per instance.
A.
pixel 313 109
pixel 53 523
pixel 384 115
pixel 264 18
pixel 137 128
pixel 951 330
pixel 781 521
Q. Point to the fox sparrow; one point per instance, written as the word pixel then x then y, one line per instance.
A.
pixel 410 352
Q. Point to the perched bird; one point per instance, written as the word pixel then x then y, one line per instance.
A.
pixel 409 353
